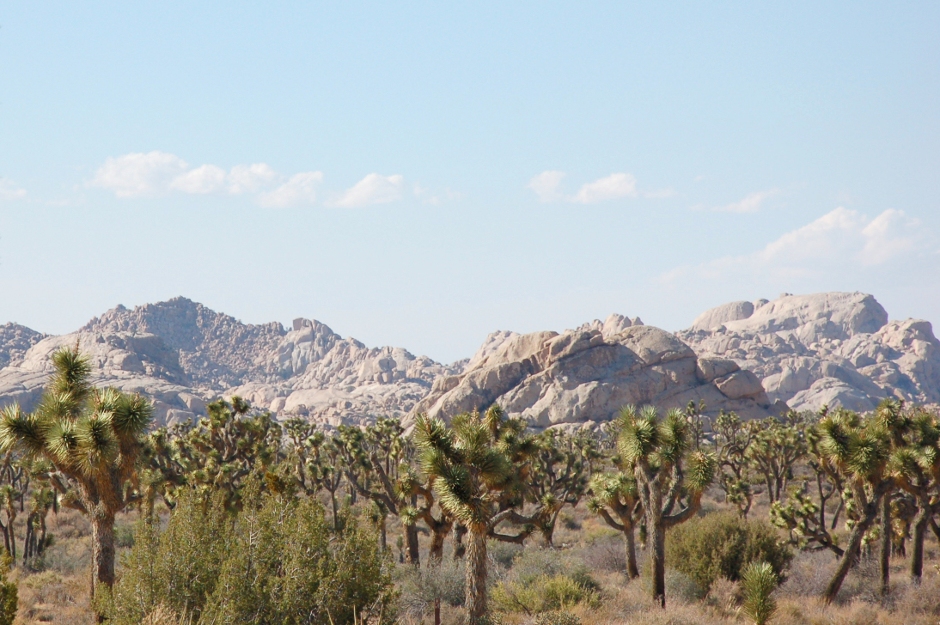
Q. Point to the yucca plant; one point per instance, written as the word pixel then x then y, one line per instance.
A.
pixel 471 467
pixel 670 479
pixel 93 439
pixel 858 450
pixel 758 582
pixel 916 467
pixel 615 498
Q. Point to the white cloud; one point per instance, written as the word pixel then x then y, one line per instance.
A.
pixel 138 174
pixel 750 204
pixel 251 178
pixel 201 180
pixel 545 185
pixel 300 189
pixel 157 173
pixel 373 189
pixel 9 191
pixel 838 243
pixel 613 187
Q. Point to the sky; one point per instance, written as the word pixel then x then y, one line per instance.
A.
pixel 422 174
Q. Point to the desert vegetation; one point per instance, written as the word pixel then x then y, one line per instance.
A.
pixel 658 517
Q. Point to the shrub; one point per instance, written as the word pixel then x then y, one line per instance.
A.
pixel 722 545
pixel 557 618
pixel 544 581
pixel 758 582
pixel 8 595
pixel 274 562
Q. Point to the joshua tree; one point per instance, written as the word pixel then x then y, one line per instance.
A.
pixel 733 439
pixel 774 450
pixel 667 476
pixel 93 439
pixel 917 469
pixel 859 451
pixel 471 469
pixel 615 498
pixel 561 468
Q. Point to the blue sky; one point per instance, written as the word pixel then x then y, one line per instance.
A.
pixel 420 175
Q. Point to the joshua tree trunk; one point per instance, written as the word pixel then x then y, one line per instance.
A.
pixel 919 533
pixel 476 575
pixel 414 548
pixel 436 548
pixel 658 555
pixel 102 561
pixel 848 560
pixel 630 541
pixel 885 554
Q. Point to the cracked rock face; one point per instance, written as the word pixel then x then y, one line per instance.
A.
pixel 587 375
pixel 835 349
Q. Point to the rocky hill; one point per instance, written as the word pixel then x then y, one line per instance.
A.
pixel 756 358
pixel 836 349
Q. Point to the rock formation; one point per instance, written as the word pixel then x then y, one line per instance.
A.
pixel 588 374
pixel 183 354
pixel 835 349
pixel 805 351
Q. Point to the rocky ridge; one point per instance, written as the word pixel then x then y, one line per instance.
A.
pixel 835 349
pixel 756 358
pixel 584 376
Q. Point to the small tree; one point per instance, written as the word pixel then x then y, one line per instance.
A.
pixel 859 451
pixel 758 584
pixel 561 468
pixel 733 439
pixel 667 475
pixel 615 498
pixel 93 438
pixel 470 469
pixel 774 449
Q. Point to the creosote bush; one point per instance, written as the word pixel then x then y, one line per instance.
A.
pixel 543 581
pixel 275 561
pixel 721 545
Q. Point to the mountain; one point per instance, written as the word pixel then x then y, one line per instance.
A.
pixel 756 358
pixel 835 349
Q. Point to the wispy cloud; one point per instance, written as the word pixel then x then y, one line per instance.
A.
pixel 749 204
pixel 156 173
pixel 613 187
pixel 616 186
pixel 373 189
pixel 10 191
pixel 546 186
pixel 139 174
pixel 840 241
pixel 299 189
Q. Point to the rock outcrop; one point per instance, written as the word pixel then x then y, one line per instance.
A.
pixel 586 375
pixel 183 355
pixel 836 349
pixel 751 357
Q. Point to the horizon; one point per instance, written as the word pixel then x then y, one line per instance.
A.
pixel 420 176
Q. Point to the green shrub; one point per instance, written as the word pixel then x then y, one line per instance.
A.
pixel 557 618
pixel 722 545
pixel 8 595
pixel 543 581
pixel 275 562
pixel 758 582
